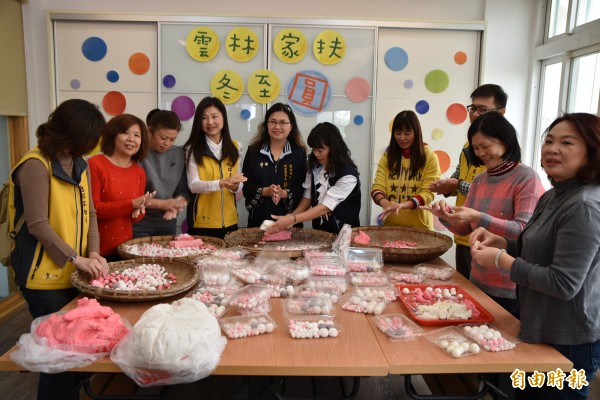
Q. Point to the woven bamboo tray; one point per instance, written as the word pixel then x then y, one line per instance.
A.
pixel 164 241
pixel 250 239
pixel 430 244
pixel 187 276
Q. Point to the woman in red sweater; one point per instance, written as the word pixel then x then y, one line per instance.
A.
pixel 118 182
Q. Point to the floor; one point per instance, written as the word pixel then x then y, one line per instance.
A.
pixel 23 385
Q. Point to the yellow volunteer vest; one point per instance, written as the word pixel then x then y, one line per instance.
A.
pixel 215 209
pixel 68 215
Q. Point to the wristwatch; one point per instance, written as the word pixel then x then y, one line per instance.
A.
pixel 72 259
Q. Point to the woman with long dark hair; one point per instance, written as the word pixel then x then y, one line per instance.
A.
pixel 331 188
pixel 405 171
pixel 212 159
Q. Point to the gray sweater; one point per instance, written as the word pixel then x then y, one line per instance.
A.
pixel 165 173
pixel 558 267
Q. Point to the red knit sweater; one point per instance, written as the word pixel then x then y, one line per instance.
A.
pixel 113 189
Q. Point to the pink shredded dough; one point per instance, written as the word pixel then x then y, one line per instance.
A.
pixel 362 238
pixel 88 328
pixel 277 237
pixel 185 240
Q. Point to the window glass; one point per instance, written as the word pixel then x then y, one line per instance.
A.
pixel 550 97
pixel 585 84
pixel 558 17
pixel 587 10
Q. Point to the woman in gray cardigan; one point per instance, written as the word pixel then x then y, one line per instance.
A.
pixel 556 263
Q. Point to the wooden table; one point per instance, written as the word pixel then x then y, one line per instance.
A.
pixel 421 356
pixel 360 349
pixel 275 354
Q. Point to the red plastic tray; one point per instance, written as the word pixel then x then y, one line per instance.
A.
pixel 409 302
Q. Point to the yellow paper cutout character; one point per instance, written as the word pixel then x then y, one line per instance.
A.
pixel 202 43
pixel 242 44
pixel 263 86
pixel 227 86
pixel 329 47
pixel 290 45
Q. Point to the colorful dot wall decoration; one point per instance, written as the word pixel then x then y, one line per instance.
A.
pixel 396 59
pixel 112 76
pixel 456 113
pixel 139 63
pixel 358 89
pixel 437 81
pixel 358 120
pixel 444 160
pixel 437 134
pixel 408 84
pixel 245 114
pixel 460 57
pixel 75 84
pixel 114 103
pixel 94 48
pixel 422 107
pixel 184 107
pixel 169 81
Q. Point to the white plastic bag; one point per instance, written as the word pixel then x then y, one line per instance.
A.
pixel 343 240
pixel 171 343
pixel 81 337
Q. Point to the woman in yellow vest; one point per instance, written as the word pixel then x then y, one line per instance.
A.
pixel 51 186
pixel 212 159
pixel 404 174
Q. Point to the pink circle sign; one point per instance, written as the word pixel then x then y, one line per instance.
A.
pixel 358 89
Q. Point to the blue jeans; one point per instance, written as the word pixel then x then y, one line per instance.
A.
pixel 583 356
pixel 64 385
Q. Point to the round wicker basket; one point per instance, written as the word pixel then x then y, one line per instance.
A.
pixel 250 239
pixel 164 241
pixel 429 244
pixel 187 276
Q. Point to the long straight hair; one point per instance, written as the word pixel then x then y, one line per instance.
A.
pixel 197 139
pixel 326 133
pixel 406 120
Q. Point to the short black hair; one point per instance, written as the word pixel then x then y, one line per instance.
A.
pixel 491 90
pixel 494 125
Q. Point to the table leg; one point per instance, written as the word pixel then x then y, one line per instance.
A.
pixel 280 383
pixel 411 392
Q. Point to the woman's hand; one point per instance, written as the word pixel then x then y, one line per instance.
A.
pixel 140 203
pixel 444 186
pixel 483 254
pixel 440 209
pixel 389 208
pixel 486 239
pixel 462 216
pixel 174 207
pixel 277 193
pixel 233 182
pixel 282 222
pixel 95 265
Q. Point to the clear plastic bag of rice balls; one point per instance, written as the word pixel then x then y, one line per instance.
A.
pixel 70 339
pixel 171 343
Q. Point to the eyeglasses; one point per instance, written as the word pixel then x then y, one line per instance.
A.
pixel 283 124
pixel 481 109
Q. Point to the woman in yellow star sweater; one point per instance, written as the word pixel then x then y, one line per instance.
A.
pixel 404 174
